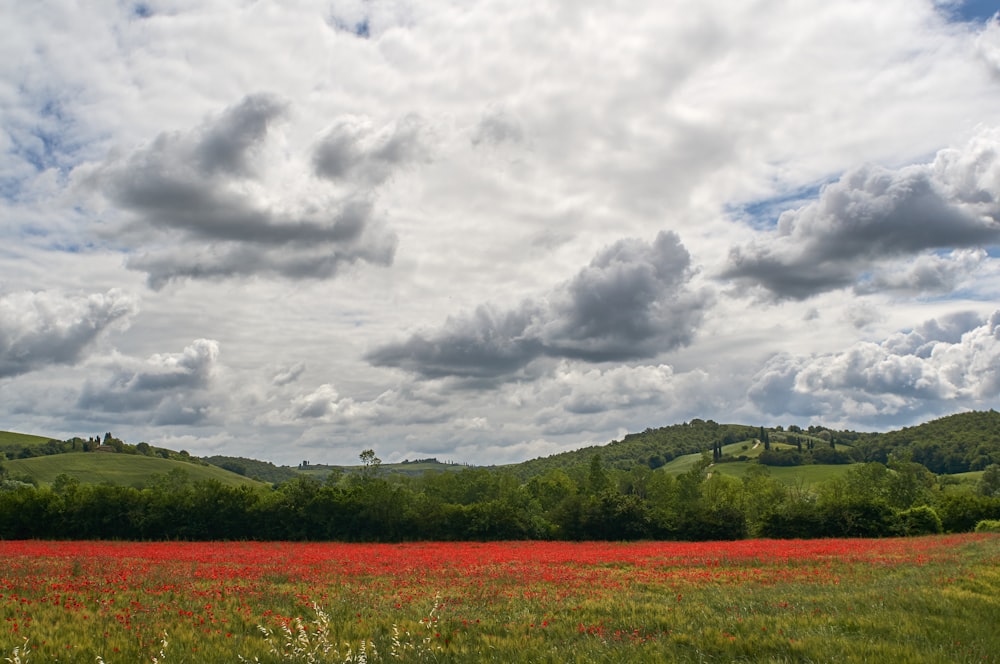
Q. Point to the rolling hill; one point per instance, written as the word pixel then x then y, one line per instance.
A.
pixel 117 469
pixel 954 444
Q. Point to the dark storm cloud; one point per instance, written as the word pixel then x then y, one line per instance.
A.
pixel 44 328
pixel 873 215
pixel 197 205
pixel 631 302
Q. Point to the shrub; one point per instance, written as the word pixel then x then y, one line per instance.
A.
pixel 920 520
pixel 988 526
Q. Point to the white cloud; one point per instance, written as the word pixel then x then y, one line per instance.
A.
pixel 199 197
pixel 943 364
pixel 485 231
pixel 39 329
pixel 874 215
pixel 172 388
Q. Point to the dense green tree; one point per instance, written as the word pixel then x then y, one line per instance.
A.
pixel 919 520
pixel 989 483
pixel 762 496
pixel 597 477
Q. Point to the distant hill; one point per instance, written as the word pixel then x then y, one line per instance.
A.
pixel 953 444
pixel 118 469
pixel 408 468
pixel 264 471
pixel 12 443
pixel 652 447
pixel 961 443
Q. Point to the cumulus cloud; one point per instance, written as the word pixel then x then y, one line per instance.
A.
pixel 325 404
pixel 928 273
pixel 200 204
pixel 355 150
pixel 874 214
pixel 39 329
pixel 632 301
pixel 943 363
pixel 168 388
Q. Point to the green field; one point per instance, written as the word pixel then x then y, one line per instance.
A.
pixel 14 438
pixel 805 475
pixel 791 475
pixel 117 469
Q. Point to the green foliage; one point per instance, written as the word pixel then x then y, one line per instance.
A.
pixel 960 512
pixel 920 520
pixel 265 471
pixel 610 492
pixel 651 448
pixel 988 526
pixel 118 469
pixel 780 457
pixel 989 483
pixel 953 444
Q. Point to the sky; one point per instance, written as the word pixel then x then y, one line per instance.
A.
pixel 497 230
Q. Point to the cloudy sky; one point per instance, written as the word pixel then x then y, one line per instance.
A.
pixel 490 231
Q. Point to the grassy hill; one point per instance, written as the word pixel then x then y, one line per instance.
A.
pixel 953 444
pixel 264 471
pixel 118 469
pixel 652 447
pixel 805 475
pixel 12 438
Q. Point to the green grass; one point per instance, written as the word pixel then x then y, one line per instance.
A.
pixel 791 475
pixel 807 475
pixel 117 469
pixel 14 438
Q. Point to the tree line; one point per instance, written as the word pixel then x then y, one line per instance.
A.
pixel 590 502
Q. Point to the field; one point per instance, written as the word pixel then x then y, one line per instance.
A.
pixel 916 600
pixel 805 475
pixel 117 469
pixel 14 438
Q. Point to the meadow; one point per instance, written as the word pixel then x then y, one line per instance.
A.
pixel 927 599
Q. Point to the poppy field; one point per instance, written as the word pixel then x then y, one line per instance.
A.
pixel 926 599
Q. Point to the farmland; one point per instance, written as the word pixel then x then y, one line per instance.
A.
pixel 925 599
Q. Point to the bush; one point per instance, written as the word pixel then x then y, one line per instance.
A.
pixel 793 520
pixel 988 526
pixel 780 458
pixel 859 518
pixel 960 512
pixel 920 520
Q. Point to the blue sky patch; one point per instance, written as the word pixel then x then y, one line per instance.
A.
pixel 765 212
pixel 974 11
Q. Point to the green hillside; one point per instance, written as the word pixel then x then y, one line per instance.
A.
pixel 14 438
pixel 11 440
pixel 117 469
pixel 804 475
pixel 263 471
pixel 652 447
pixel 962 443
pixel 953 444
